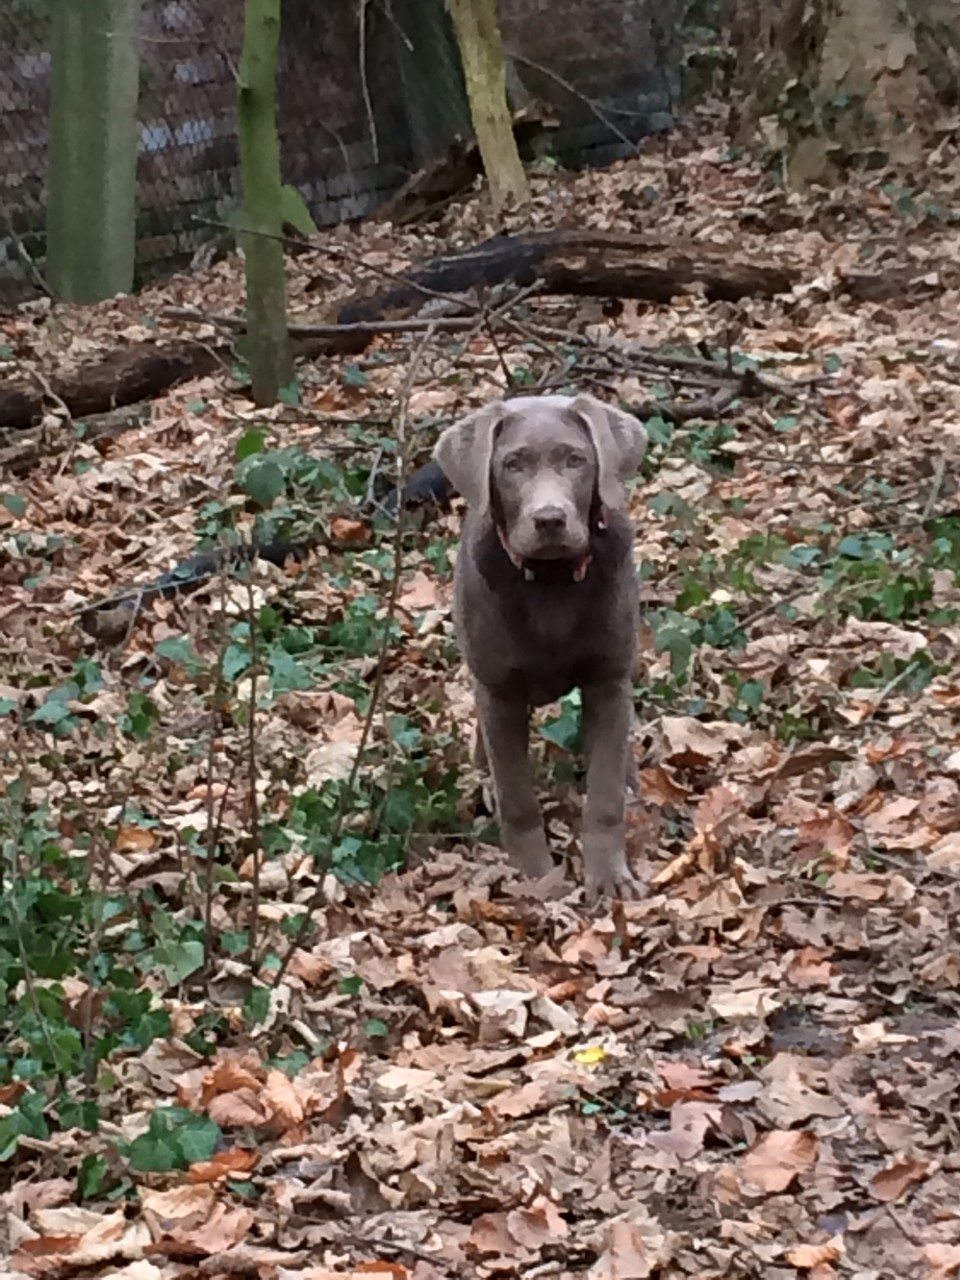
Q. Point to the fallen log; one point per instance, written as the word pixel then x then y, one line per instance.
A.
pixel 121 378
pixel 607 264
pixel 22 449
pixel 595 263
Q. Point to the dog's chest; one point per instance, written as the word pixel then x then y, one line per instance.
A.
pixel 538 638
pixel 539 642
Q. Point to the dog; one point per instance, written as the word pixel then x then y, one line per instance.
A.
pixel 545 601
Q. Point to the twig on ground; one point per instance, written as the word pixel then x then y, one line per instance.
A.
pixel 887 689
pixel 933 497
pixel 413 325
pixel 772 605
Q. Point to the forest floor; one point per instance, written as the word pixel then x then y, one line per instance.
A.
pixel 755 1071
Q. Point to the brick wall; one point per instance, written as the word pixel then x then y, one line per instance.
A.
pixel 609 50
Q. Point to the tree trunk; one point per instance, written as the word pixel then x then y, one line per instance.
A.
pixel 481 51
pixel 424 45
pixel 835 81
pixel 268 346
pixel 92 182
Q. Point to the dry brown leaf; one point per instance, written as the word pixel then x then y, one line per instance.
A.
pixel 890 1183
pixel 717 808
pixel 689 1124
pixel 807 1256
pixel 864 885
pixel 345 532
pixel 178 1206
pixel 538 1225
pixel 680 1075
pixel 421 592
pixel 281 1096
pixel 235 1160
pixel 660 787
pixel 102 1238
pixel 238 1109
pixel 828 832
pixel 310 967
pixel 634 1251
pixel 136 839
pixel 490 1236
pixel 777 1157
pixel 687 736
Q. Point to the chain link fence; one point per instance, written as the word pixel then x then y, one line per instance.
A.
pixel 353 118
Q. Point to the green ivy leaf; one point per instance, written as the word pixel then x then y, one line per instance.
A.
pixel 257 1005
pixel 290 394
pixel 564 729
pixel 852 547
pixel 15 503
pixel 264 482
pixel 91 1176
pixel 78 1114
pixel 250 442
pixel 178 959
pixel 175 1138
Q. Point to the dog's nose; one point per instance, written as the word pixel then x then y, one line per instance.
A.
pixel 549 520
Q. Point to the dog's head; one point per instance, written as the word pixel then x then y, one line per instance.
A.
pixel 544 467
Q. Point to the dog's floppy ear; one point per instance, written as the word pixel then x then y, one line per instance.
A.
pixel 620 442
pixel 464 452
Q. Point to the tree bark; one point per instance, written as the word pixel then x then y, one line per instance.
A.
pixel 424 45
pixel 268 346
pixel 834 80
pixel 92 181
pixel 481 51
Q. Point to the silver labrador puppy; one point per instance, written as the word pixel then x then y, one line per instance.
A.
pixel 546 601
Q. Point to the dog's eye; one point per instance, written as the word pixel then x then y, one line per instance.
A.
pixel 513 463
pixel 574 461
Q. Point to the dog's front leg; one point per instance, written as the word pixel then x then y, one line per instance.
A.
pixel 607 714
pixel 505 729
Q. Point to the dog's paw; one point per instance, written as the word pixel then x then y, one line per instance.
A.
pixel 606 873
pixel 618 884
pixel 528 851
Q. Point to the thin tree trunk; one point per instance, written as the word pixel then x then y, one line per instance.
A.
pixel 268 345
pixel 481 50
pixel 92 204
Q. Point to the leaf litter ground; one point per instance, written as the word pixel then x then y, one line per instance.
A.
pixel 752 1072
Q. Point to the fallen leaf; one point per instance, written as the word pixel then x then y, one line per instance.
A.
pixel 634 1251
pixel 136 840
pixel 807 1256
pixel 777 1157
pixel 890 1183
pixel 419 593
pixel 685 735
pixel 235 1160
pixel 349 533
